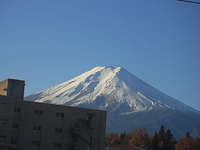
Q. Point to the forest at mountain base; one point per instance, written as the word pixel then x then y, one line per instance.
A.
pixel 161 140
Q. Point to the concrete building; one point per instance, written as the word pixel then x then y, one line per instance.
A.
pixel 11 87
pixel 28 125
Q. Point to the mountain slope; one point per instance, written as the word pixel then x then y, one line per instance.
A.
pixel 116 90
pixel 111 82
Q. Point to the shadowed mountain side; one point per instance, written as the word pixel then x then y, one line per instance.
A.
pixel 179 123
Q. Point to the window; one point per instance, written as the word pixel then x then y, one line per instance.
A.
pixel 60 115
pixel 89 117
pixel 4 120
pixel 36 128
pixel 57 145
pixel 58 130
pixel 2 137
pixel 38 113
pixel 6 104
pixel 35 143
pixel 17 110
pixel 14 142
pixel 15 126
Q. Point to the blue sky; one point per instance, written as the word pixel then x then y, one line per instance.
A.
pixel 47 42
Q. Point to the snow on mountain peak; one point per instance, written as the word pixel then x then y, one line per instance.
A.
pixel 108 88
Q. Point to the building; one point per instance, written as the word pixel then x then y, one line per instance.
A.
pixel 11 87
pixel 28 125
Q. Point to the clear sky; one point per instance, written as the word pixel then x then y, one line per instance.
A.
pixel 47 42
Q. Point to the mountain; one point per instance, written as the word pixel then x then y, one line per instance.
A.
pixel 130 102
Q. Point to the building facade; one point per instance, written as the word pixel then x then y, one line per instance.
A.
pixel 28 125
pixel 12 87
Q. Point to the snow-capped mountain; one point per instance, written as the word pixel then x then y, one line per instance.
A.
pixel 114 82
pixel 113 89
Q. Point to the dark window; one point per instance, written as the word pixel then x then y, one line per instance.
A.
pixel 57 145
pixel 36 128
pixel 89 117
pixel 15 126
pixel 17 110
pixel 6 104
pixel 14 142
pixel 60 115
pixel 38 112
pixel 58 130
pixel 2 137
pixel 4 120
pixel 36 143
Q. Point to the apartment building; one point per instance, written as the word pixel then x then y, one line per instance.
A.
pixel 28 125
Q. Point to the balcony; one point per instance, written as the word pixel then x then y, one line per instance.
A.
pixel 82 133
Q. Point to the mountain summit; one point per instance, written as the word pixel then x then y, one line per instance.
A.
pixel 117 91
pixel 115 83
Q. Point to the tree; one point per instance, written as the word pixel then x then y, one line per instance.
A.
pixel 123 138
pixel 140 138
pixel 161 139
pixel 169 141
pixel 185 143
pixel 112 139
pixel 187 135
pixel 154 143
pixel 188 143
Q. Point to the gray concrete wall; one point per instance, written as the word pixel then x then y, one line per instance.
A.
pixel 89 134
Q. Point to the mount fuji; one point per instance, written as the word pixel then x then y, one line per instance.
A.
pixel 130 102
